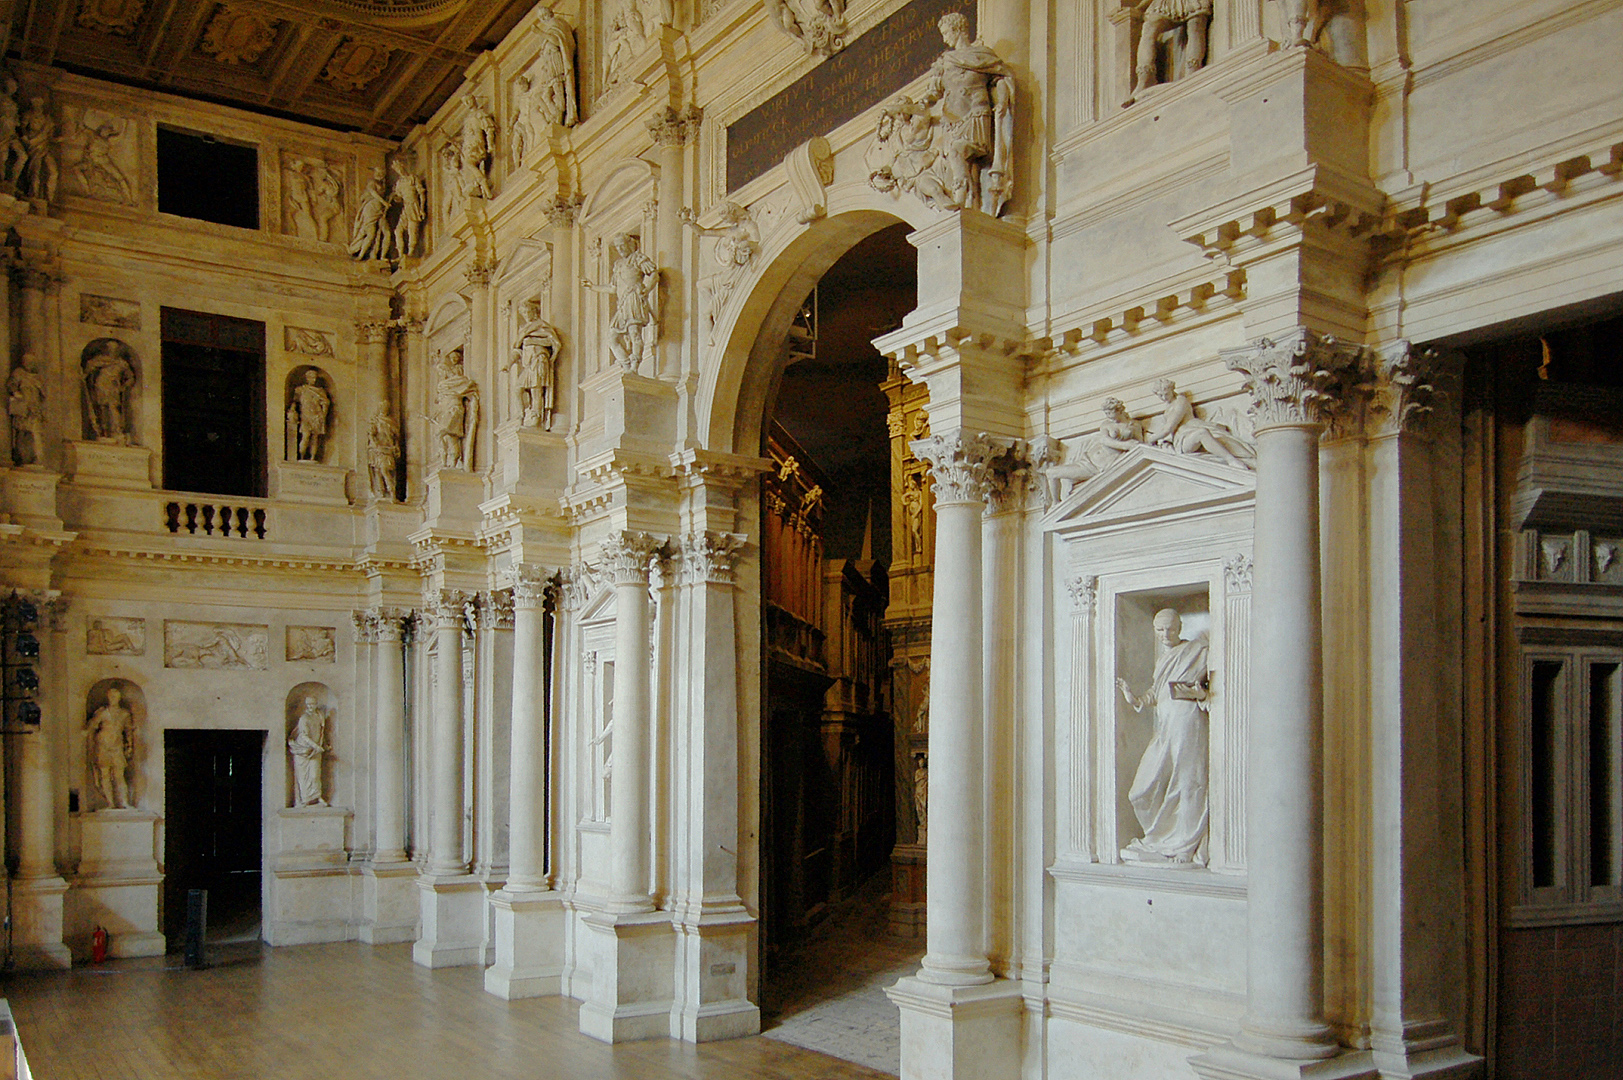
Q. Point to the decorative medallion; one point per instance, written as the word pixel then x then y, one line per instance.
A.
pixel 355 65
pixel 111 16
pixel 235 36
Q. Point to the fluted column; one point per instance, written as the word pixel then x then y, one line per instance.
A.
pixel 1292 385
pixel 526 849
pixel 445 831
pixel 388 630
pixel 627 556
pixel 955 908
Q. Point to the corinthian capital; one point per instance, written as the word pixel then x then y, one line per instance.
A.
pixel 709 556
pixel 531 585
pixel 961 466
pixel 1407 387
pixel 1295 380
pixel 448 609
pixel 626 556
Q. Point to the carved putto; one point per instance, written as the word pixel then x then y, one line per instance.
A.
pixel 108 373
pixel 1185 22
pixel 533 367
pixel 737 241
pixel 634 284
pixel 962 155
pixel 456 412
pixel 819 25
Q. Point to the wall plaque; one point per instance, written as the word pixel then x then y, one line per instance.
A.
pixel 870 69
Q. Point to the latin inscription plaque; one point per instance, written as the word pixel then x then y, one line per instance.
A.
pixel 871 68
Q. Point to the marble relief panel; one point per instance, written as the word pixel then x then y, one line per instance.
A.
pixel 100 154
pixel 212 645
pixel 312 643
pixel 312 198
pixel 115 635
pixel 109 311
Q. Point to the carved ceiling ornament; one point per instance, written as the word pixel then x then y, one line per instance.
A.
pixel 355 65
pixel 235 36
pixel 111 16
pixel 1294 380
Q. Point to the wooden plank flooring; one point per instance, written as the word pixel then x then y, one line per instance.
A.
pixel 333 1012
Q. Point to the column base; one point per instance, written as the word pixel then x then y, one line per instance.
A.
pixel 452 912
pixel 631 958
pixel 36 921
pixel 712 970
pixel 959 1032
pixel 1231 1063
pixel 127 908
pixel 1442 1063
pixel 907 902
pixel 389 908
pixel 529 945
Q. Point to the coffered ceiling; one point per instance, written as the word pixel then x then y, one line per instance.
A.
pixel 377 66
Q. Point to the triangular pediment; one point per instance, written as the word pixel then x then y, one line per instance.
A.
pixel 1149 482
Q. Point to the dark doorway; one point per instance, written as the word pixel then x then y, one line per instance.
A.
pixel 213 814
pixel 213 404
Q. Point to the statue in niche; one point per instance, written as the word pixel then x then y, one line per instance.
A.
pixel 412 196
pixel 921 795
pixel 1118 433
pixel 1169 789
pixel 1182 428
pixel 964 157
pixel 914 502
pixel 533 367
pixel 369 237
pixel 548 88
pixel 451 178
pixel 737 241
pixel 307 414
pixel 477 145
pixel 25 404
pixel 382 453
pixel 98 174
pixel 110 746
pixel 13 152
pixel 1191 19
pixel 308 746
pixel 819 25
pixel 456 412
pixel 39 136
pixel 108 369
pixel 634 284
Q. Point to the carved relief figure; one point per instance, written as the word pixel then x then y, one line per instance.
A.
pixel 737 241
pixel 326 198
pixel 1336 26
pixel 308 410
pixel 533 367
pixel 412 196
pixel 25 392
pixel 296 189
pixel 456 412
pixel 451 178
pixel 1169 789
pixel 369 236
pixel 112 635
pixel 307 743
pixel 1182 428
pixel 311 643
pixel 478 143
pixel 109 311
pixel 214 645
pixel 39 136
pixel 99 175
pixel 110 748
pixel 382 454
pixel 108 370
pixel 1190 18
pixel 921 795
pixel 819 25
pixel 13 152
pixel 634 284
pixel 913 503
pixel 624 36
pixel 1118 433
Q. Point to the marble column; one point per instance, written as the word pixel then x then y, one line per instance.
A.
pixel 628 555
pixel 451 901
pixel 672 132
pixel 1293 385
pixel 1008 490
pixel 529 915
pixel 38 889
pixel 388 630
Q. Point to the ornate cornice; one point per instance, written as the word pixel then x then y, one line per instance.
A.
pixel 961 467
pixel 709 556
pixel 1296 380
pixel 627 555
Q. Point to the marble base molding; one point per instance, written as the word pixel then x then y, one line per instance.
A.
pixel 959 1032
pixel 452 929
pixel 529 944
pixel 389 907
pixel 632 962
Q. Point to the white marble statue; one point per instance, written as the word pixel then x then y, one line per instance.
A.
pixel 1193 17
pixel 109 379
pixel 634 284
pixel 456 412
pixel 1169 790
pixel 382 453
pixel 914 502
pixel 819 25
pixel 533 367
pixel 412 197
pixel 308 411
pixel 737 241
pixel 1118 433
pixel 549 96
pixel 110 746
pixel 369 236
pixel 38 131
pixel 921 795
pixel 13 151
pixel 25 393
pixel 1182 428
pixel 477 145
pixel 308 746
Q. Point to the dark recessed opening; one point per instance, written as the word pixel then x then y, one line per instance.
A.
pixel 209 179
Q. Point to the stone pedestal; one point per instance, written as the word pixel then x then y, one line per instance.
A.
pixel 389 908
pixel 907 890
pixel 109 465
pixel 117 886
pixel 631 960
pixel 37 924
pixel 310 482
pixel 311 888
pixel 639 414
pixel 529 944
pixel 454 496
pixel 530 461
pixel 959 1032
pixel 451 908
pixel 713 954
pixel 31 498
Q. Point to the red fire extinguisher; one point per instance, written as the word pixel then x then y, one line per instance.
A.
pixel 98 945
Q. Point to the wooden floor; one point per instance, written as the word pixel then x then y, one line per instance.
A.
pixel 331 1012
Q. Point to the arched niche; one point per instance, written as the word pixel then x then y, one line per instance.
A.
pixel 115 746
pixel 109 385
pixel 320 697
pixel 300 407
